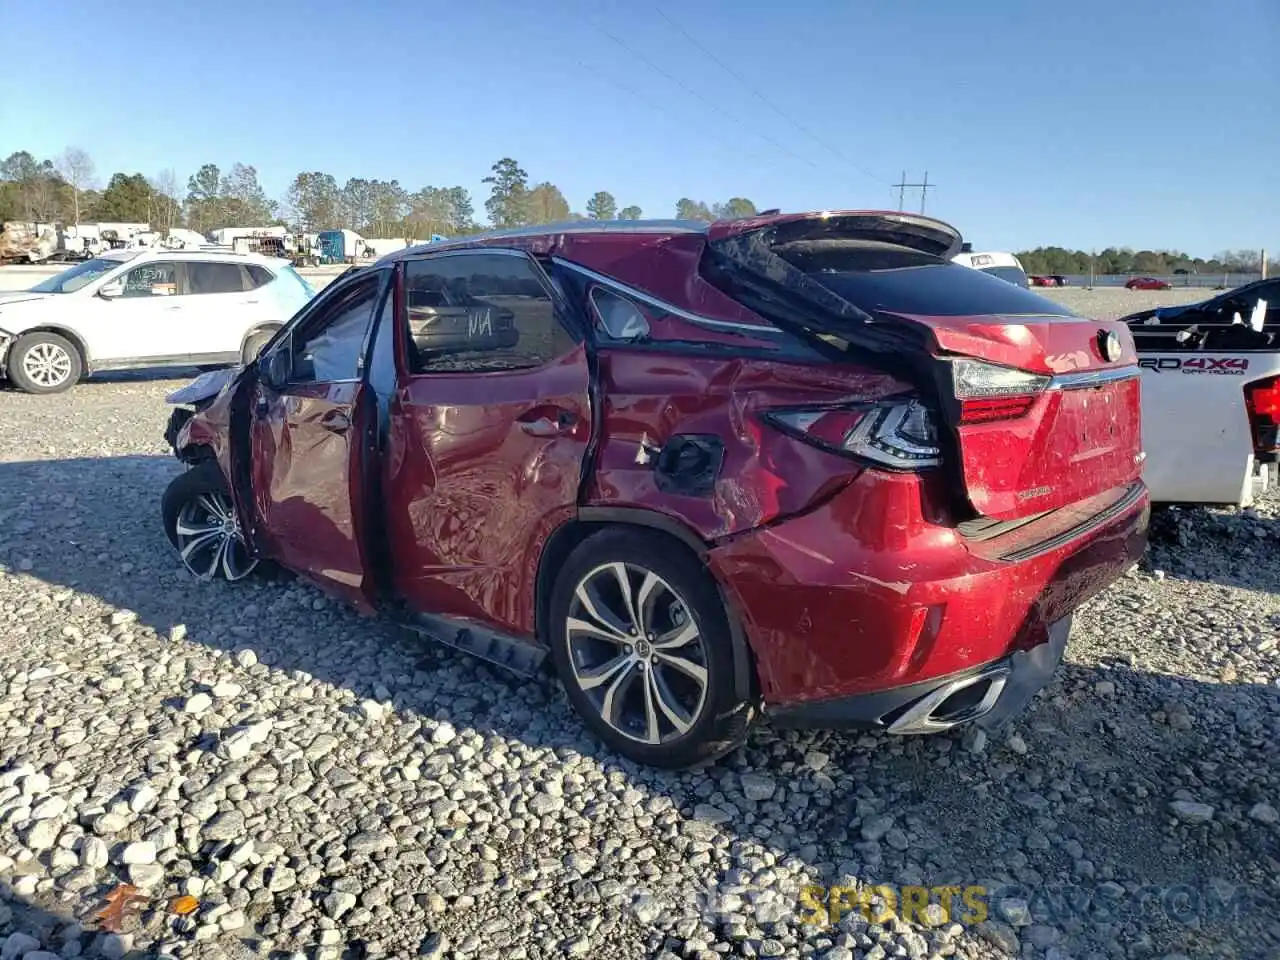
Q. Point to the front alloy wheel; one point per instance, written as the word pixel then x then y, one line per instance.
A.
pixel 637 653
pixel 201 523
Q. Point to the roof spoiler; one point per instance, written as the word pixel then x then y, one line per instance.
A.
pixel 913 231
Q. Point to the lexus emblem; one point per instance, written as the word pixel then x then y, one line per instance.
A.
pixel 1109 345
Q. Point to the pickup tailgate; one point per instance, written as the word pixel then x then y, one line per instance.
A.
pixel 1043 404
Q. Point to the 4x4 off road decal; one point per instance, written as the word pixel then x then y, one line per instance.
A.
pixel 1222 366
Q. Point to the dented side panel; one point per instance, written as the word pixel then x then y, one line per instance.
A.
pixel 652 400
pixel 306 477
pixel 479 471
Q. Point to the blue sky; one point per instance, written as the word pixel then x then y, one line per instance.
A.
pixel 1137 123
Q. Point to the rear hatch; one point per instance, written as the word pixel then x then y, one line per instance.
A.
pixel 1042 405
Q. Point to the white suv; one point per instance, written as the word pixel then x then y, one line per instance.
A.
pixel 131 308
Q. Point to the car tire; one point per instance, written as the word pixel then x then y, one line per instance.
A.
pixel 44 363
pixel 253 345
pixel 672 708
pixel 200 522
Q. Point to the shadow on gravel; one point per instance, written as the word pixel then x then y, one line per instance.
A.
pixel 1117 779
pixel 141 375
pixel 1236 549
pixel 30 925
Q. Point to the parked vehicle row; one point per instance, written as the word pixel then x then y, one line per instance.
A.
pixel 998 264
pixel 799 466
pixel 151 308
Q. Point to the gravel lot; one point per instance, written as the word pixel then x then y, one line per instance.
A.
pixel 327 786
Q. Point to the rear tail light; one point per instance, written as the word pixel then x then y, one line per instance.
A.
pixel 988 392
pixel 1262 400
pixel 897 435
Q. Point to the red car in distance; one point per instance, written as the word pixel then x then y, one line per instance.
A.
pixel 800 466
pixel 1147 283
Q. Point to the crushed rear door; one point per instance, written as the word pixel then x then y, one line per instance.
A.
pixel 1043 405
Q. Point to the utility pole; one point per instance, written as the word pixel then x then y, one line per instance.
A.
pixel 924 186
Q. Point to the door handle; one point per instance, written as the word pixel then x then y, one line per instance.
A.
pixel 547 426
pixel 336 421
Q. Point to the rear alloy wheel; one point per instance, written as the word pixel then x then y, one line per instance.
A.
pixel 642 645
pixel 44 363
pixel 201 523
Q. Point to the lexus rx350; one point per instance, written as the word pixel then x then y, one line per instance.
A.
pixel 800 466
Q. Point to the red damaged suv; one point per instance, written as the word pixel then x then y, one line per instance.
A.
pixel 799 466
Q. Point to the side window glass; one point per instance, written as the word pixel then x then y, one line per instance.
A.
pixel 480 312
pixel 620 318
pixel 207 277
pixel 152 280
pixel 329 348
pixel 258 276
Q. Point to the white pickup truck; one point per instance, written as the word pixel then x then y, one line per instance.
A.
pixel 1211 396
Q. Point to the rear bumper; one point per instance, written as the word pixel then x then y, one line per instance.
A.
pixel 864 605
pixel 988 696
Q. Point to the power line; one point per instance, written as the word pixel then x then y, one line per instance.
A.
pixel 694 93
pixel 765 100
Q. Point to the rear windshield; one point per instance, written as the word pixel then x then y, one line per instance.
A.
pixel 903 281
pixel 1012 275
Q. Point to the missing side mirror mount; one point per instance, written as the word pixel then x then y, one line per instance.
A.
pixel 276 366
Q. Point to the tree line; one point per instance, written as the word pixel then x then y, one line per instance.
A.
pixel 66 189
pixel 1122 261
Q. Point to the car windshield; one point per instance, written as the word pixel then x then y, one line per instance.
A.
pixel 298 278
pixel 71 280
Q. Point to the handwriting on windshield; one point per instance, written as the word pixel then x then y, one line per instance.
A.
pixel 479 324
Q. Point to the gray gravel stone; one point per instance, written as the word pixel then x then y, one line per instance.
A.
pixel 1191 812
pixel 1264 813
pixel 42 835
pixel 225 826
pixel 144 851
pixel 338 903
pixel 18 944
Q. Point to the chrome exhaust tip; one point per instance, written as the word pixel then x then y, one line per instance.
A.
pixel 952 704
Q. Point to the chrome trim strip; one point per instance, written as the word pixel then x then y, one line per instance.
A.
pixel 662 305
pixel 1084 379
pixel 436 251
pixel 1108 513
